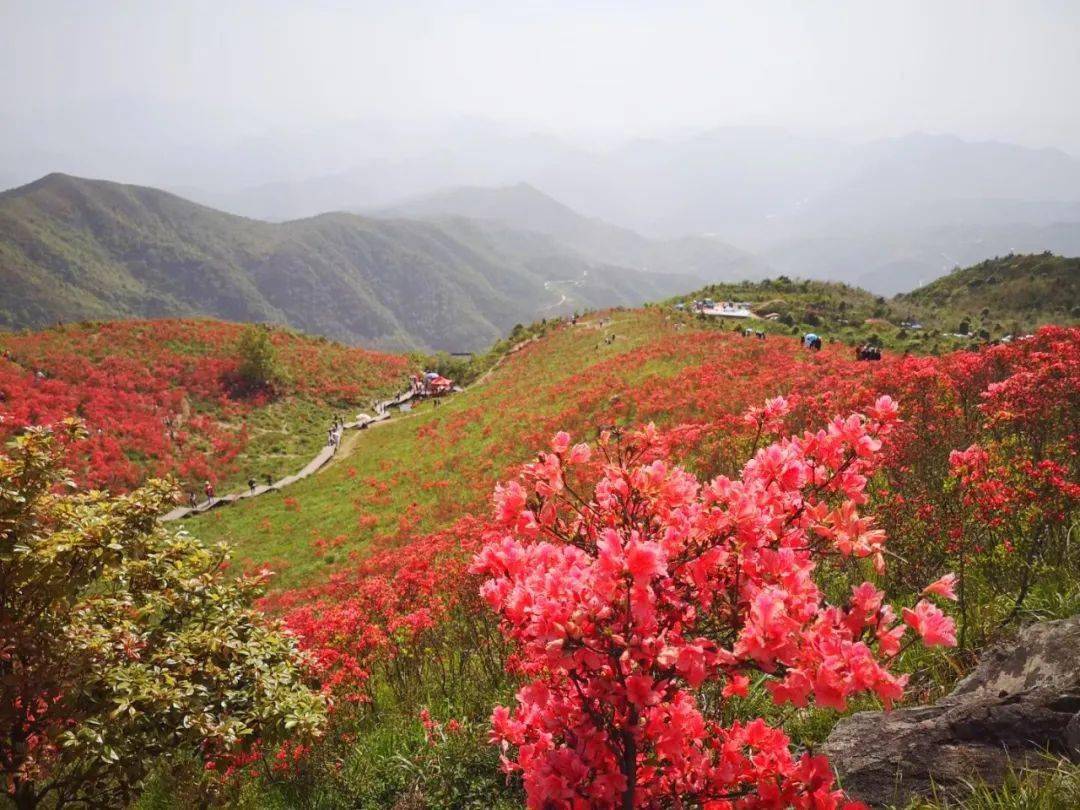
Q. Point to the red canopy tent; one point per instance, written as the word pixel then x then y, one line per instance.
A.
pixel 440 384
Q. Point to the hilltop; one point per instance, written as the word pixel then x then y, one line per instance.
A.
pixel 994 299
pixel 75 249
pixel 1010 294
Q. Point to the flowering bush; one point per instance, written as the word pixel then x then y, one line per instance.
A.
pixel 625 601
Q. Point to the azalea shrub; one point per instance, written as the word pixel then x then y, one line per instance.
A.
pixel 626 585
pixel 983 476
pixel 401 613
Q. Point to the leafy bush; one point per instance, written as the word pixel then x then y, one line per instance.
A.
pixel 123 642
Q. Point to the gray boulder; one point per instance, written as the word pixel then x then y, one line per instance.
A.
pixel 1021 702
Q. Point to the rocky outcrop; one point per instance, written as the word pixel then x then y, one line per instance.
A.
pixel 1022 701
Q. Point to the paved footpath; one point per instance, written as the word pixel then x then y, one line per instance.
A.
pixel 382 413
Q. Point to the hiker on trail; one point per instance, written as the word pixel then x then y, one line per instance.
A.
pixel 209 490
pixel 193 502
pixel 330 437
pixel 269 480
pixel 251 484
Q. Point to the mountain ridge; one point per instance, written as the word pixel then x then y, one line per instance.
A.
pixel 76 249
pixel 525 207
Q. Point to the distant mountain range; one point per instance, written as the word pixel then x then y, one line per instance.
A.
pixel 76 249
pixel 525 208
pixel 888 215
pixel 455 269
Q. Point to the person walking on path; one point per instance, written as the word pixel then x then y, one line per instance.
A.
pixel 209 490
pixel 251 484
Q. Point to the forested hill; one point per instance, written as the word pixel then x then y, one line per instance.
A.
pixel 75 249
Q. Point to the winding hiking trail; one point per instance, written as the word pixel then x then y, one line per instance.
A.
pixel 382 414
pixel 329 452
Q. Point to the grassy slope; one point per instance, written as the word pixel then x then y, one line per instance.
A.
pixel 421 471
pixel 74 249
pixel 399 468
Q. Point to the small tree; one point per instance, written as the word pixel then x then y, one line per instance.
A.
pixel 121 643
pixel 259 368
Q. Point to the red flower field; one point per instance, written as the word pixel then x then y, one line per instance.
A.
pixel 980 462
pixel 156 394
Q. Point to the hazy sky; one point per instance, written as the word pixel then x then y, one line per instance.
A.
pixel 1005 70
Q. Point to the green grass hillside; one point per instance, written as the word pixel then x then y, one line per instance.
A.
pixel 999 297
pixel 413 472
pixel 1005 295
pixel 74 249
